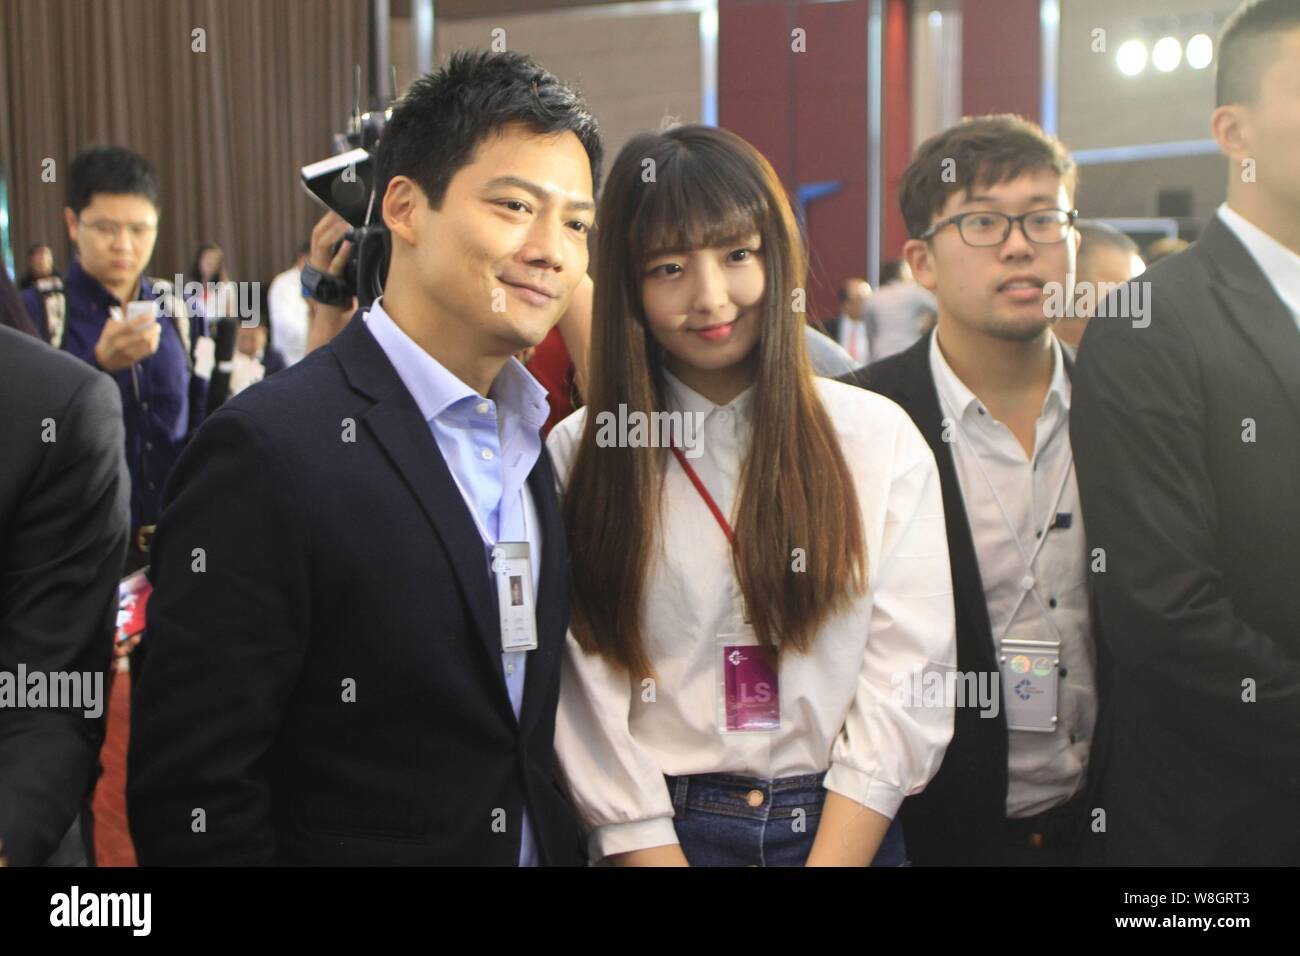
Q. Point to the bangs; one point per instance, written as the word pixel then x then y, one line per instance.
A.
pixel 699 202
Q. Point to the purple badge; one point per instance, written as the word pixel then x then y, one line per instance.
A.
pixel 753 696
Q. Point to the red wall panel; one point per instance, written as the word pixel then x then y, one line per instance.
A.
pixel 1001 58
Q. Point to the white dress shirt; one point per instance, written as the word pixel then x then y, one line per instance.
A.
pixel 855 339
pixel 288 308
pixel 840 709
pixel 1280 264
pixel 1047 600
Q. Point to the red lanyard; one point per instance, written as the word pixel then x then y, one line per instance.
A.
pixel 708 498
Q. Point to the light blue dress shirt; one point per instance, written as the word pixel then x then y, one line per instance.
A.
pixel 490 445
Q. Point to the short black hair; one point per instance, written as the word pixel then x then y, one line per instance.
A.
pixel 1096 234
pixel 979 151
pixel 113 170
pixel 439 122
pixel 1248 45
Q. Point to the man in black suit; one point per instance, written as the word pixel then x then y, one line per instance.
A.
pixel 64 516
pixel 1188 435
pixel 335 676
pixel 990 391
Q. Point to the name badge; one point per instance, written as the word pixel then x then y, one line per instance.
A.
pixel 1030 672
pixel 749 692
pixel 512 569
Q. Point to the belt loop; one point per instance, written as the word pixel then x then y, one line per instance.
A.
pixel 682 786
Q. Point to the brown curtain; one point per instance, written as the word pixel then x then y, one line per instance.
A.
pixel 228 129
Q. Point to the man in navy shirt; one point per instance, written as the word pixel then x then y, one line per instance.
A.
pixel 112 220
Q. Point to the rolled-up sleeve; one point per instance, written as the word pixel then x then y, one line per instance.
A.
pixel 616 786
pixel 892 742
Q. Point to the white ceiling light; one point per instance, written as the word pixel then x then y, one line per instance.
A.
pixel 1132 58
pixel 1166 54
pixel 1200 51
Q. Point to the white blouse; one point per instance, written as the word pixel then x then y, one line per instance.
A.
pixel 842 705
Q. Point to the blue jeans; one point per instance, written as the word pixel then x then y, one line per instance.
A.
pixel 727 820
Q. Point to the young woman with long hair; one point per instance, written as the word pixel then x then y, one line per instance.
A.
pixel 751 608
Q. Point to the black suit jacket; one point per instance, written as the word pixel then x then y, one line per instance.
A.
pixel 1186 434
pixel 314 543
pixel 960 818
pixel 64 515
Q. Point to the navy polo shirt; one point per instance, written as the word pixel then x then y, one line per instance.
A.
pixel 162 400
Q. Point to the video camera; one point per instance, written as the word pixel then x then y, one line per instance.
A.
pixel 346 184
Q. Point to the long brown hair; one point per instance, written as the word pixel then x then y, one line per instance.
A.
pixel 687 188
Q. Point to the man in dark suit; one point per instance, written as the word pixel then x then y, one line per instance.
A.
pixel 1188 437
pixel 335 676
pixel 990 391
pixel 64 515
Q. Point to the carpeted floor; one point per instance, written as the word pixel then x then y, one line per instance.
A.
pixel 112 838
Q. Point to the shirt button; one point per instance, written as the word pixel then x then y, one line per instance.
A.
pixel 1051 602
pixel 980 410
pixel 510 670
pixel 754 798
pixel 144 406
pixel 1027 582
pixel 487 454
pixel 1038 534
pixel 148 446
pixel 482 408
pixel 1063 671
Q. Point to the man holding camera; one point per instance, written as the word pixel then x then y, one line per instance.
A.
pixel 337 674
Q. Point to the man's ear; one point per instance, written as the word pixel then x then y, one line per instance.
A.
pixel 70 219
pixel 920 259
pixel 1228 126
pixel 400 208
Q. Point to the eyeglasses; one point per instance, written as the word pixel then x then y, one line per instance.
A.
pixel 1043 226
pixel 106 229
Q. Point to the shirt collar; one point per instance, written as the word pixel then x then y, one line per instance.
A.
pixel 686 399
pixel 954 393
pixel 86 285
pixel 1278 263
pixel 435 389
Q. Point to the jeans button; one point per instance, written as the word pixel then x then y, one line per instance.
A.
pixel 754 798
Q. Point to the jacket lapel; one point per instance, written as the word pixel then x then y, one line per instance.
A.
pixel 402 433
pixel 552 590
pixel 1248 298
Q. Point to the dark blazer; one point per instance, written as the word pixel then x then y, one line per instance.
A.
pixel 64 514
pixel 1187 441
pixel 959 818
pixel 314 548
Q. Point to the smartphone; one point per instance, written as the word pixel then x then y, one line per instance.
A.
pixel 141 308
pixel 132 600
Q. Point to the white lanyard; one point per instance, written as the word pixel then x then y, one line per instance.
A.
pixel 489 539
pixel 1014 532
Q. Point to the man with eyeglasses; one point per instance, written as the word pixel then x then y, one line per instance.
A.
pixel 112 220
pixel 989 204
